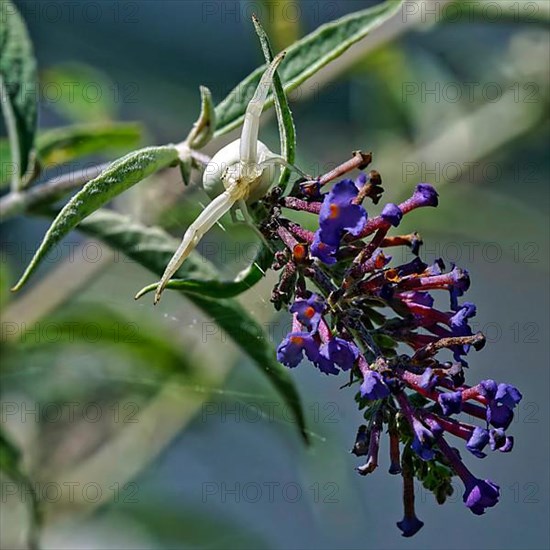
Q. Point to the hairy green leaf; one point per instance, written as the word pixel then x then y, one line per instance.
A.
pixel 119 176
pixel 285 122
pixel 304 59
pixel 61 145
pixel 18 90
pixel 153 248
pixel 244 280
pixel 64 144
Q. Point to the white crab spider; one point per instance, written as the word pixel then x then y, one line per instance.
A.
pixel 238 173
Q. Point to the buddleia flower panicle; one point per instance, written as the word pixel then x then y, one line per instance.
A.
pixel 339 282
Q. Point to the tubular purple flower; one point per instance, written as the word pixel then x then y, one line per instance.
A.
pixel 459 320
pixel 361 180
pixel 342 352
pixel 323 251
pixel 480 494
pixel 499 416
pixel 428 380
pixel 324 363
pixel 423 441
pixel 392 214
pixel 395 457
pixel 309 311
pixel 373 386
pixel 338 215
pixel 507 395
pixel 477 442
pixel 410 525
pixel 451 402
pixel 502 399
pixel 500 441
pixel 436 268
pixel 374 447
pixel 417 297
pixel 361 445
pixel 290 350
pixel 488 388
pixel 427 194
pixel 461 283
pixel 424 195
pixel 460 327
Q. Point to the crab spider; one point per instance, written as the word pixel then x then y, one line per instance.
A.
pixel 238 173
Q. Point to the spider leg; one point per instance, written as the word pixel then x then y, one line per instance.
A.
pixel 251 125
pixel 278 159
pixel 207 218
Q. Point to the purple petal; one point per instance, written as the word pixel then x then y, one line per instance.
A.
pixel 373 386
pixel 477 442
pixel 481 494
pixel 392 214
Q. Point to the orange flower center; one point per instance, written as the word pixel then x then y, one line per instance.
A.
pixel 300 252
pixel 298 340
pixel 334 211
pixel 379 262
pixel 309 312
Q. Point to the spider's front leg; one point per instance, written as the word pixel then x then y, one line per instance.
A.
pixel 207 218
pixel 251 125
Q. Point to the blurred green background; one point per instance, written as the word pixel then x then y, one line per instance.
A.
pixel 176 440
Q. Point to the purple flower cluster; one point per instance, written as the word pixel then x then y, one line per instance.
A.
pixel 420 397
pixel 327 352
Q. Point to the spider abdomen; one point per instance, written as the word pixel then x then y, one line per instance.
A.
pixel 215 178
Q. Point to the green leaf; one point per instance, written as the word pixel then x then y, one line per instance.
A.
pixel 64 144
pixel 251 338
pixel 194 527
pixel 466 11
pixel 61 145
pixel 203 129
pixel 283 29
pixel 244 280
pixel 10 463
pixel 6 166
pixel 18 90
pixel 285 122
pixel 84 94
pixel 153 248
pixel 304 59
pixel 9 456
pixel 119 176
pixel 136 337
pixel 186 167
